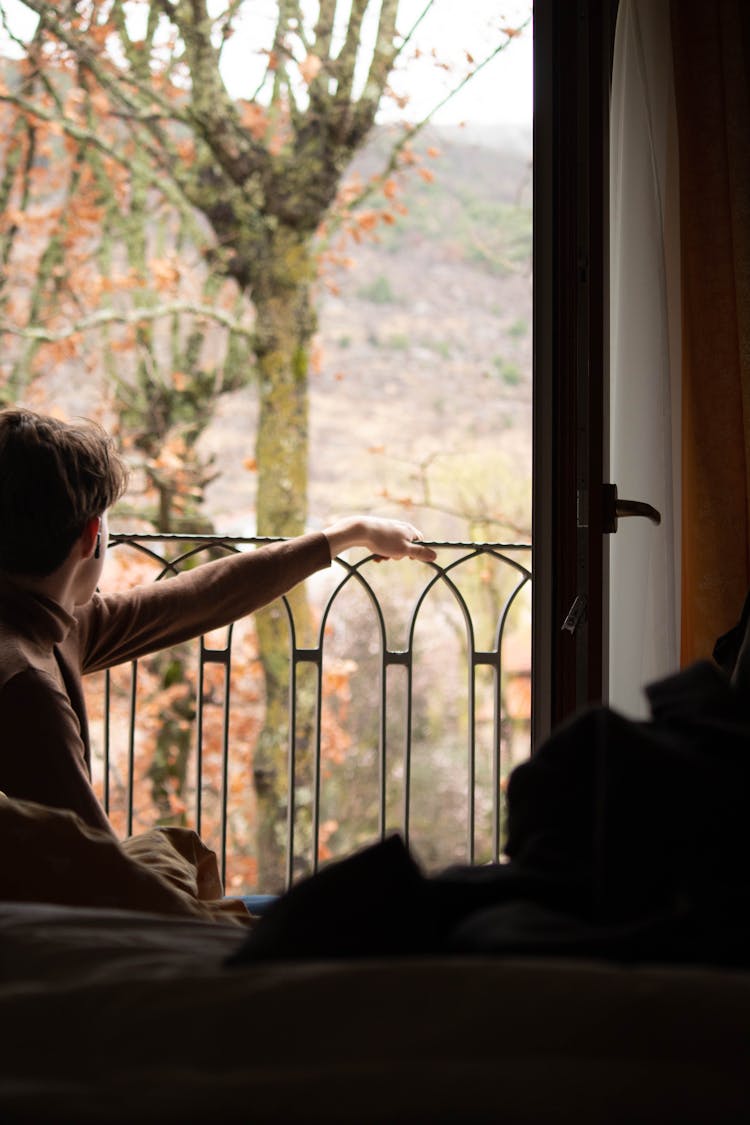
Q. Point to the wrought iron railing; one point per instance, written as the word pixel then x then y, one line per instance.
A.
pixel 408 703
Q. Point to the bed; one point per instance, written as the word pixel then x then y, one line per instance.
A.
pixel 122 1016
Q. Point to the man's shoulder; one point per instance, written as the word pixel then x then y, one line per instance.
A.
pixel 20 676
pixel 15 655
pixel 35 712
pixel 25 652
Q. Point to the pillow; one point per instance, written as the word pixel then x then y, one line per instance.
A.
pixel 179 856
pixel 51 855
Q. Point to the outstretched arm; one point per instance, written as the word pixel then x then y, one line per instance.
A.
pixel 119 627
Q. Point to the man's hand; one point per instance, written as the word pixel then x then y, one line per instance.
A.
pixel 386 539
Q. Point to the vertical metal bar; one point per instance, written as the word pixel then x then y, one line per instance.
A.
pixel 225 763
pixel 199 737
pixel 407 753
pixel 497 748
pixel 472 763
pixel 316 768
pixel 382 748
pixel 304 656
pixel 131 745
pixel 497 728
pixel 291 804
pixel 106 738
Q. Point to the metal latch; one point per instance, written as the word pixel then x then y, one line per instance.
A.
pixel 576 615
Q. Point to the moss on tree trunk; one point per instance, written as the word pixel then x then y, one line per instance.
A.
pixel 284 327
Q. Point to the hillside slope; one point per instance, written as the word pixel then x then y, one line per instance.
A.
pixel 423 391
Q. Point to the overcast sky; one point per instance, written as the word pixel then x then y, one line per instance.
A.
pixel 502 92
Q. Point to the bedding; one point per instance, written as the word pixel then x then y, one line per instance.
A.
pixel 52 855
pixel 625 840
pixel 112 1016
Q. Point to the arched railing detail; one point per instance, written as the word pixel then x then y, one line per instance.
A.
pixel 443 574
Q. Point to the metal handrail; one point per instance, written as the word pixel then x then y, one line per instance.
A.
pixel 511 576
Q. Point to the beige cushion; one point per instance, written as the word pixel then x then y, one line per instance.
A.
pixel 51 855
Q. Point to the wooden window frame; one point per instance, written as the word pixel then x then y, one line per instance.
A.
pixel 573 47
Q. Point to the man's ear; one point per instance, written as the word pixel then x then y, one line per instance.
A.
pixel 90 537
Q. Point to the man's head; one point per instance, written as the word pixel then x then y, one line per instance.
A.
pixel 55 477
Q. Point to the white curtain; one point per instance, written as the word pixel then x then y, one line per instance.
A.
pixel 644 620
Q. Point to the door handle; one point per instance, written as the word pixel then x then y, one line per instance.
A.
pixel 614 509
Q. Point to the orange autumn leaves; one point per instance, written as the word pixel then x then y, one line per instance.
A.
pixel 92 275
pixel 69 220
pixel 350 221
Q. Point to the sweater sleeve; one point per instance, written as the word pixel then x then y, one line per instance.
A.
pixel 120 627
pixel 42 756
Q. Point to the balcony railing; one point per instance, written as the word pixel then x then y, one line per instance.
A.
pixel 408 703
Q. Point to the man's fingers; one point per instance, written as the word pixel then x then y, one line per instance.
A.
pixel 424 554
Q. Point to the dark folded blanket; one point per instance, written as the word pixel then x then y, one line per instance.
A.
pixel 627 840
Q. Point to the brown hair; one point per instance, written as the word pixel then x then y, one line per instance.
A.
pixel 54 477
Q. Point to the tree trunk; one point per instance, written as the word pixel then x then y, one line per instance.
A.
pixel 285 322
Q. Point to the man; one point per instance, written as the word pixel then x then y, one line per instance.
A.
pixel 57 481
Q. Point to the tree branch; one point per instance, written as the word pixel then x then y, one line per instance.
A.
pixel 346 60
pixel 383 57
pixel 410 33
pixel 127 316
pixel 113 83
pixel 375 182
pixel 211 111
pixel 175 188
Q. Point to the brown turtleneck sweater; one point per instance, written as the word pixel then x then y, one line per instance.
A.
pixel 45 755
